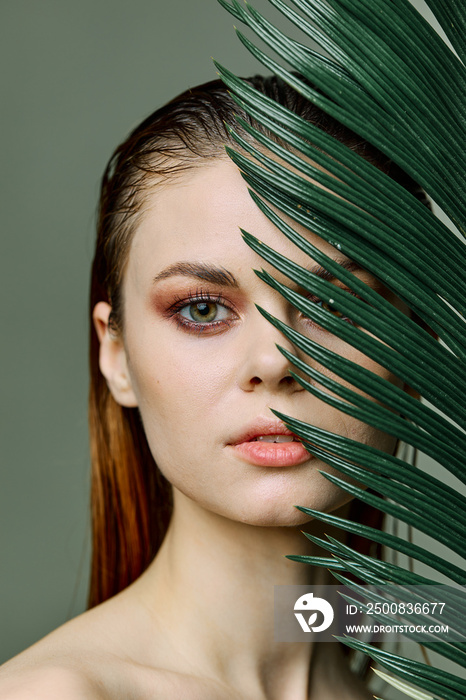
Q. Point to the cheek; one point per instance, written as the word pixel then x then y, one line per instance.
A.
pixel 343 423
pixel 366 433
pixel 178 389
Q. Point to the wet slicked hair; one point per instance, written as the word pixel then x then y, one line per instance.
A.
pixel 131 501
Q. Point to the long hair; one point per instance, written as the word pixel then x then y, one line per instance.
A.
pixel 131 501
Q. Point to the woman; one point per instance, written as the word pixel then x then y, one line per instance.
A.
pixel 194 479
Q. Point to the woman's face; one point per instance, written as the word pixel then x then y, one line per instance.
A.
pixel 202 362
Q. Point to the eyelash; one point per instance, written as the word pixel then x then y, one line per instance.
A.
pixel 328 307
pixel 200 296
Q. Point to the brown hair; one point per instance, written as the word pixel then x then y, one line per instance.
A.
pixel 131 501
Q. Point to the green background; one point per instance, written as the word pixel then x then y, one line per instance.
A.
pixel 76 77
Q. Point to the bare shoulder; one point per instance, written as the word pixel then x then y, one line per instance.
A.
pixel 47 682
pixel 58 666
pixel 93 658
pixel 117 682
pixel 29 678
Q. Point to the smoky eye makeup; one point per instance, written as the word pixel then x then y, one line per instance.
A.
pixel 207 309
pixel 201 311
pixel 326 306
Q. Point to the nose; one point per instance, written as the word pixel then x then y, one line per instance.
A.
pixel 262 363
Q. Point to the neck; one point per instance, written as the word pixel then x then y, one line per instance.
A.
pixel 211 589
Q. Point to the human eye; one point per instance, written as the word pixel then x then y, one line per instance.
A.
pixel 202 312
pixel 327 306
pixel 338 314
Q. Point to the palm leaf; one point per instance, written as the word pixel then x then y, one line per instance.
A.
pixel 392 79
pixel 404 687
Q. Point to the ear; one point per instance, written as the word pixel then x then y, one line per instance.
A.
pixel 112 357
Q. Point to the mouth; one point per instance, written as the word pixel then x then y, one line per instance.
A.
pixel 274 438
pixel 268 443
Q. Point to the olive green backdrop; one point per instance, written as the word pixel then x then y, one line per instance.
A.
pixel 76 77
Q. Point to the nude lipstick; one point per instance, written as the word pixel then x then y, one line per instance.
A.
pixel 268 443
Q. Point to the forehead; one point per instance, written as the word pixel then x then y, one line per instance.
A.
pixel 198 218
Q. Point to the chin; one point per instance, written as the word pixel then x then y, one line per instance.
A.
pixel 279 509
pixel 269 500
pixel 276 517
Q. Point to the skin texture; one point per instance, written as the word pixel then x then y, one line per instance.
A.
pixel 196 388
pixel 199 621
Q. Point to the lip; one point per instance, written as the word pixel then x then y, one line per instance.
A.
pixel 268 454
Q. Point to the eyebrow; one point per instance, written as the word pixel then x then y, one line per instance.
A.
pixel 209 273
pixel 224 278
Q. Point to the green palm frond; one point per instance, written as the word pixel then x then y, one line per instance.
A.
pixel 404 687
pixel 389 77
